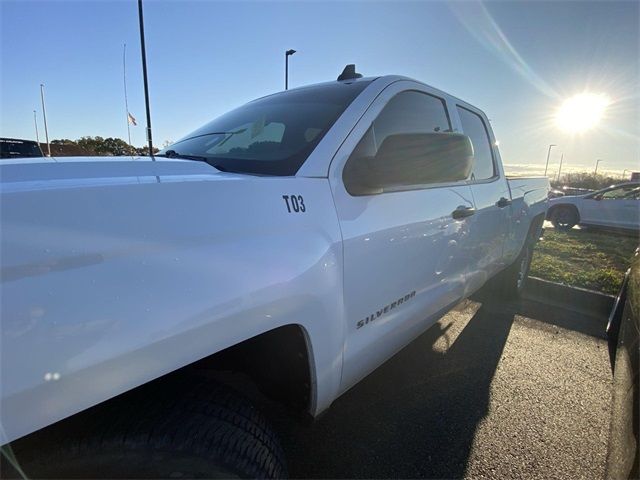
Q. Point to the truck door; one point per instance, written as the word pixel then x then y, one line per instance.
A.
pixel 492 199
pixel 402 263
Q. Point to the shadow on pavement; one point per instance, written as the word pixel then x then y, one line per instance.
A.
pixel 592 325
pixel 416 416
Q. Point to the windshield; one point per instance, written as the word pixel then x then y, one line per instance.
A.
pixel 272 135
pixel 19 148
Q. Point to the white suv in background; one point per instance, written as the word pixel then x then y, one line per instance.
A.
pixel 617 206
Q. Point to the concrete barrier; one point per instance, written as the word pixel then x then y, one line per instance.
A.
pixel 580 299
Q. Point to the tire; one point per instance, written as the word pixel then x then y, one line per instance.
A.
pixel 513 279
pixel 206 431
pixel 564 218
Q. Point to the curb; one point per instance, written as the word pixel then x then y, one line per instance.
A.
pixel 579 299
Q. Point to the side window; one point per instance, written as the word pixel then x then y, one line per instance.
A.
pixel 619 193
pixel 476 130
pixel 634 195
pixel 409 112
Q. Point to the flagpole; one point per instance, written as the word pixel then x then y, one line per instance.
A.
pixel 124 78
pixel 44 115
pixel 35 122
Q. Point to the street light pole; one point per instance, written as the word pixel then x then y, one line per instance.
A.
pixel 144 77
pixel 44 115
pixel 35 122
pixel 548 154
pixel 596 170
pixel 286 67
pixel 560 168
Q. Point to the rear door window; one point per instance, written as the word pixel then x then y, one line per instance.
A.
pixel 475 128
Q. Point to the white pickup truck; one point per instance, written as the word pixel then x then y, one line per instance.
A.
pixel 284 250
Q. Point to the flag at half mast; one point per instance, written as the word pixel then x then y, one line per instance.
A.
pixel 131 119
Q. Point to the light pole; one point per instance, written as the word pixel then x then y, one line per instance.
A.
pixel 548 154
pixel 560 168
pixel 44 115
pixel 35 122
pixel 286 67
pixel 596 170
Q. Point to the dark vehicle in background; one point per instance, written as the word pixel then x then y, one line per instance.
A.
pixel 623 332
pixel 16 148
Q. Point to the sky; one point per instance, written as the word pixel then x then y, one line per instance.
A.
pixel 516 60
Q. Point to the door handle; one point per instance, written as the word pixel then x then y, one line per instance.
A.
pixel 463 212
pixel 503 202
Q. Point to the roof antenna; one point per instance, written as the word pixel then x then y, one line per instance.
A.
pixel 349 73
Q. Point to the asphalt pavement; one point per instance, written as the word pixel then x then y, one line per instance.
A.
pixel 492 390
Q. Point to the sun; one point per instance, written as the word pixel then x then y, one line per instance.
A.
pixel 581 112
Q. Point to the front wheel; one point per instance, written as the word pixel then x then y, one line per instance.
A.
pixel 564 218
pixel 206 431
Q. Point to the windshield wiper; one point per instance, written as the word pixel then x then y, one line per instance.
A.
pixel 231 134
pixel 174 154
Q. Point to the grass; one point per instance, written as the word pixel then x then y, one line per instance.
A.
pixel 592 259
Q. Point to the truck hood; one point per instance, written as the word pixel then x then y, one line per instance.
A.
pixel 69 172
pixel 115 271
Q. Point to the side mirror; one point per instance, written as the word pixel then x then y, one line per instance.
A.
pixel 413 159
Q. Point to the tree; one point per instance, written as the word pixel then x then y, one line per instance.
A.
pixel 93 144
pixel 145 150
pixel 592 181
pixel 117 147
pixel 106 146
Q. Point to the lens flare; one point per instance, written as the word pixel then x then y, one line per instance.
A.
pixel 581 112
